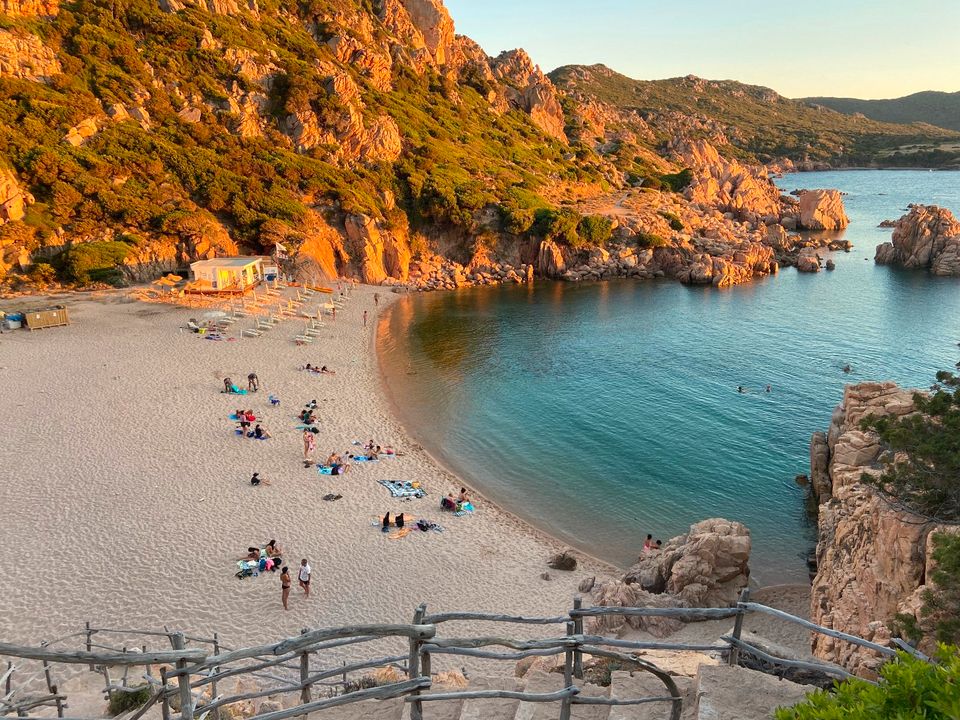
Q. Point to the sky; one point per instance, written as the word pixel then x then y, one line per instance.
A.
pixel 845 48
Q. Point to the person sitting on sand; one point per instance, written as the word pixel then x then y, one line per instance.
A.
pixel 370 445
pixel 273 549
pixel 448 503
pixel 253 382
pixel 257 481
pixel 398 520
pixel 260 434
pixel 227 385
pixel 463 497
pixel 385 525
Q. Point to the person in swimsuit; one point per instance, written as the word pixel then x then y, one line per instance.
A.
pixel 253 382
pixel 260 434
pixel 273 549
pixel 648 543
pixel 327 371
pixel 257 481
pixel 285 586
pixel 309 444
pixel 227 385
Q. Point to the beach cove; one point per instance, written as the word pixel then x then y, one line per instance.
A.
pixel 127 500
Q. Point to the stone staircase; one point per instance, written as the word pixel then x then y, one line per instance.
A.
pixel 718 692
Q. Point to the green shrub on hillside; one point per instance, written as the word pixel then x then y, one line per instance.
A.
pixel 675 222
pixel 560 225
pixel 677 182
pixel 924 461
pixel 595 229
pixel 94 261
pixel 651 240
pixel 909 689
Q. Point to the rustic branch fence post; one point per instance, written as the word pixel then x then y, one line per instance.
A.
pixel 578 629
pixel 165 705
pixel 413 664
pixel 215 670
pixel 90 644
pixel 568 653
pixel 738 626
pixel 183 679
pixel 50 686
pixel 9 682
pixel 305 694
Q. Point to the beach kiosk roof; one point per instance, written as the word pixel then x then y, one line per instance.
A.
pixel 227 274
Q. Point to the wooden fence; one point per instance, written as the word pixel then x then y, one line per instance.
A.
pixel 186 684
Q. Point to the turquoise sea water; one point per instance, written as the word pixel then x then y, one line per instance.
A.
pixel 601 412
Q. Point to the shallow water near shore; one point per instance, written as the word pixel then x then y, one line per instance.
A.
pixel 601 412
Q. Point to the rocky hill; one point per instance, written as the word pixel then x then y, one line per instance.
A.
pixel 756 123
pixel 934 108
pixel 365 137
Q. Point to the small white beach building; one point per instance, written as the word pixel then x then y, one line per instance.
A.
pixel 227 274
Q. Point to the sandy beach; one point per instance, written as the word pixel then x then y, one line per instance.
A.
pixel 126 494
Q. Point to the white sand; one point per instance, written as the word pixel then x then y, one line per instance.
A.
pixel 125 497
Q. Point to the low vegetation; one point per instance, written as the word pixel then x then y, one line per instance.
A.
pixel 121 702
pixel 909 689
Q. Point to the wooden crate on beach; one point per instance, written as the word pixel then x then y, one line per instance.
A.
pixel 53 316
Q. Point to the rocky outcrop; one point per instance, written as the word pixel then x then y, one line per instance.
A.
pixel 434 25
pixel 29 8
pixel 528 89
pixel 550 260
pixel 822 210
pixel 13 199
pixel 706 567
pixel 927 237
pixel 728 185
pixel 25 57
pixel 377 252
pixel 808 260
pixel 214 7
pixel 872 555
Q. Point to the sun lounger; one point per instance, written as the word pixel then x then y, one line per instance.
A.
pixel 251 332
pixel 399 489
pixel 303 339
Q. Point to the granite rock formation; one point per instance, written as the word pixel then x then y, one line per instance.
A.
pixel 927 237
pixel 822 210
pixel 873 556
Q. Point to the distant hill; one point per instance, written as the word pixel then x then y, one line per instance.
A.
pixel 757 121
pixel 935 108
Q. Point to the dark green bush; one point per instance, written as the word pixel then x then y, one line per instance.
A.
pixel 595 229
pixel 651 240
pixel 677 182
pixel 909 689
pixel 560 225
pixel 121 702
pixel 675 222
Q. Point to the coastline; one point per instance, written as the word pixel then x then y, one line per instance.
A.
pixel 538 532
pixel 133 502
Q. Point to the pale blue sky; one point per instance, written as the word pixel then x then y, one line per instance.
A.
pixel 850 48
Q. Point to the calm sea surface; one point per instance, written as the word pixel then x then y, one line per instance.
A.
pixel 601 412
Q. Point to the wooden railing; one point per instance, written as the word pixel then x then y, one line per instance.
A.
pixel 186 684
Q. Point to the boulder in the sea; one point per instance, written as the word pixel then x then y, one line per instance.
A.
pixel 563 561
pixel 808 260
pixel 822 210
pixel 927 237
pixel 706 567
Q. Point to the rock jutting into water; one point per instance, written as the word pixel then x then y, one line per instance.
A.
pixel 873 557
pixel 927 237
pixel 822 210
pixel 706 567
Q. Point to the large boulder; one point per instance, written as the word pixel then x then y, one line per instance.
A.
pixel 927 237
pixel 617 593
pixel 550 261
pixel 378 252
pixel 808 260
pixel 24 56
pixel 528 89
pixel 706 567
pixel 13 199
pixel 822 210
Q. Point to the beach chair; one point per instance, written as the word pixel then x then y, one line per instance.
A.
pixel 312 330
pixel 251 332
pixel 263 325
pixel 303 339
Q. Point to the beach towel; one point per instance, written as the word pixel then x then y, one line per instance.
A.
pixel 401 533
pixel 364 458
pixel 402 489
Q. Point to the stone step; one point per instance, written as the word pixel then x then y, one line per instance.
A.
pixel 442 709
pixel 626 685
pixel 391 709
pixel 537 681
pixel 735 693
pixel 497 709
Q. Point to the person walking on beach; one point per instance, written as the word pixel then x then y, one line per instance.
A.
pixel 304 577
pixel 364 318
pixel 253 382
pixel 285 586
pixel 376 299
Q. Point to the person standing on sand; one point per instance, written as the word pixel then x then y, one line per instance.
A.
pixel 253 382
pixel 304 577
pixel 285 587
pixel 376 299
pixel 309 444
pixel 364 318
